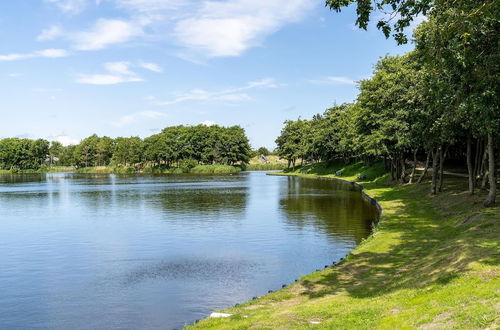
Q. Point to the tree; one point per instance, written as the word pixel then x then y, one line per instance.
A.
pixel 401 12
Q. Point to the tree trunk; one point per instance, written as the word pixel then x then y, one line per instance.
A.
pixel 414 165
pixel 442 157
pixel 435 159
pixel 392 169
pixel 470 170
pixel 482 167
pixel 490 200
pixel 477 160
pixel 426 168
pixel 403 168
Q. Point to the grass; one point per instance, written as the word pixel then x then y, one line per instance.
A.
pixel 43 169
pixel 199 169
pixel 432 263
pixel 266 167
pixel 215 169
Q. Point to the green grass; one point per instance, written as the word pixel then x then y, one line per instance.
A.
pixel 199 169
pixel 43 169
pixel 215 169
pixel 266 167
pixel 432 263
pixel 107 170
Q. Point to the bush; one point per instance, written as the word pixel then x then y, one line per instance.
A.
pixel 188 164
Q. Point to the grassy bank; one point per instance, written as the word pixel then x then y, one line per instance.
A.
pixel 266 167
pixel 43 169
pixel 433 262
pixel 199 169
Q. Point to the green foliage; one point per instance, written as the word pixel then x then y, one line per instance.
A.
pixel 394 15
pixel 21 154
pixel 186 165
pixel 178 146
pixel 263 151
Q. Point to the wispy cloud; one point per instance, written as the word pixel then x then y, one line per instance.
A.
pixel 134 117
pixel 151 67
pixel 231 95
pixel 150 6
pixel 50 33
pixel 333 80
pixel 207 28
pixel 105 32
pixel 70 6
pixel 116 73
pixel 47 53
pixel 229 28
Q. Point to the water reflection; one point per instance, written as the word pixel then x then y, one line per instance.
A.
pixel 334 207
pixel 159 251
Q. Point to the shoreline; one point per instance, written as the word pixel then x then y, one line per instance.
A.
pixel 423 242
pixel 361 188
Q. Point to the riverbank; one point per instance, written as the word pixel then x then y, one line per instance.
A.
pixel 432 262
pixel 198 169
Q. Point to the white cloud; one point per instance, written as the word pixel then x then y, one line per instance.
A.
pixel 209 28
pixel 133 118
pixel 106 32
pixel 64 139
pixel 118 73
pixel 50 33
pixel 151 67
pixel 70 6
pixel 228 95
pixel 150 6
pixel 13 75
pixel 229 28
pixel 121 68
pixel 105 79
pixel 208 123
pixel 333 80
pixel 47 53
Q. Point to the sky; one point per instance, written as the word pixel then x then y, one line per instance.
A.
pixel 72 68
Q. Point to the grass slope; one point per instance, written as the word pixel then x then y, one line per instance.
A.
pixel 432 263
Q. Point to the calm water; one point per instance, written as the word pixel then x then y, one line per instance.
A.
pixel 132 252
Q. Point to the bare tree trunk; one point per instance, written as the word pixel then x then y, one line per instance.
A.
pixel 484 170
pixel 442 157
pixel 403 168
pixel 414 165
pixel 470 170
pixel 490 200
pixel 484 155
pixel 477 159
pixel 435 159
pixel 426 168
pixel 393 176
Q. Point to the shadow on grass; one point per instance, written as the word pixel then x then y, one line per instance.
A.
pixel 429 247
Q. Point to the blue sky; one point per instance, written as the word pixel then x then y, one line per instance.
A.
pixel 71 68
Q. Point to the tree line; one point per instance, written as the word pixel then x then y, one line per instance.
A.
pixel 173 146
pixel 436 102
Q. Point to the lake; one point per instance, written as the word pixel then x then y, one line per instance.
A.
pixel 157 252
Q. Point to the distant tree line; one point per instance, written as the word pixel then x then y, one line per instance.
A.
pixel 174 146
pixel 439 100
